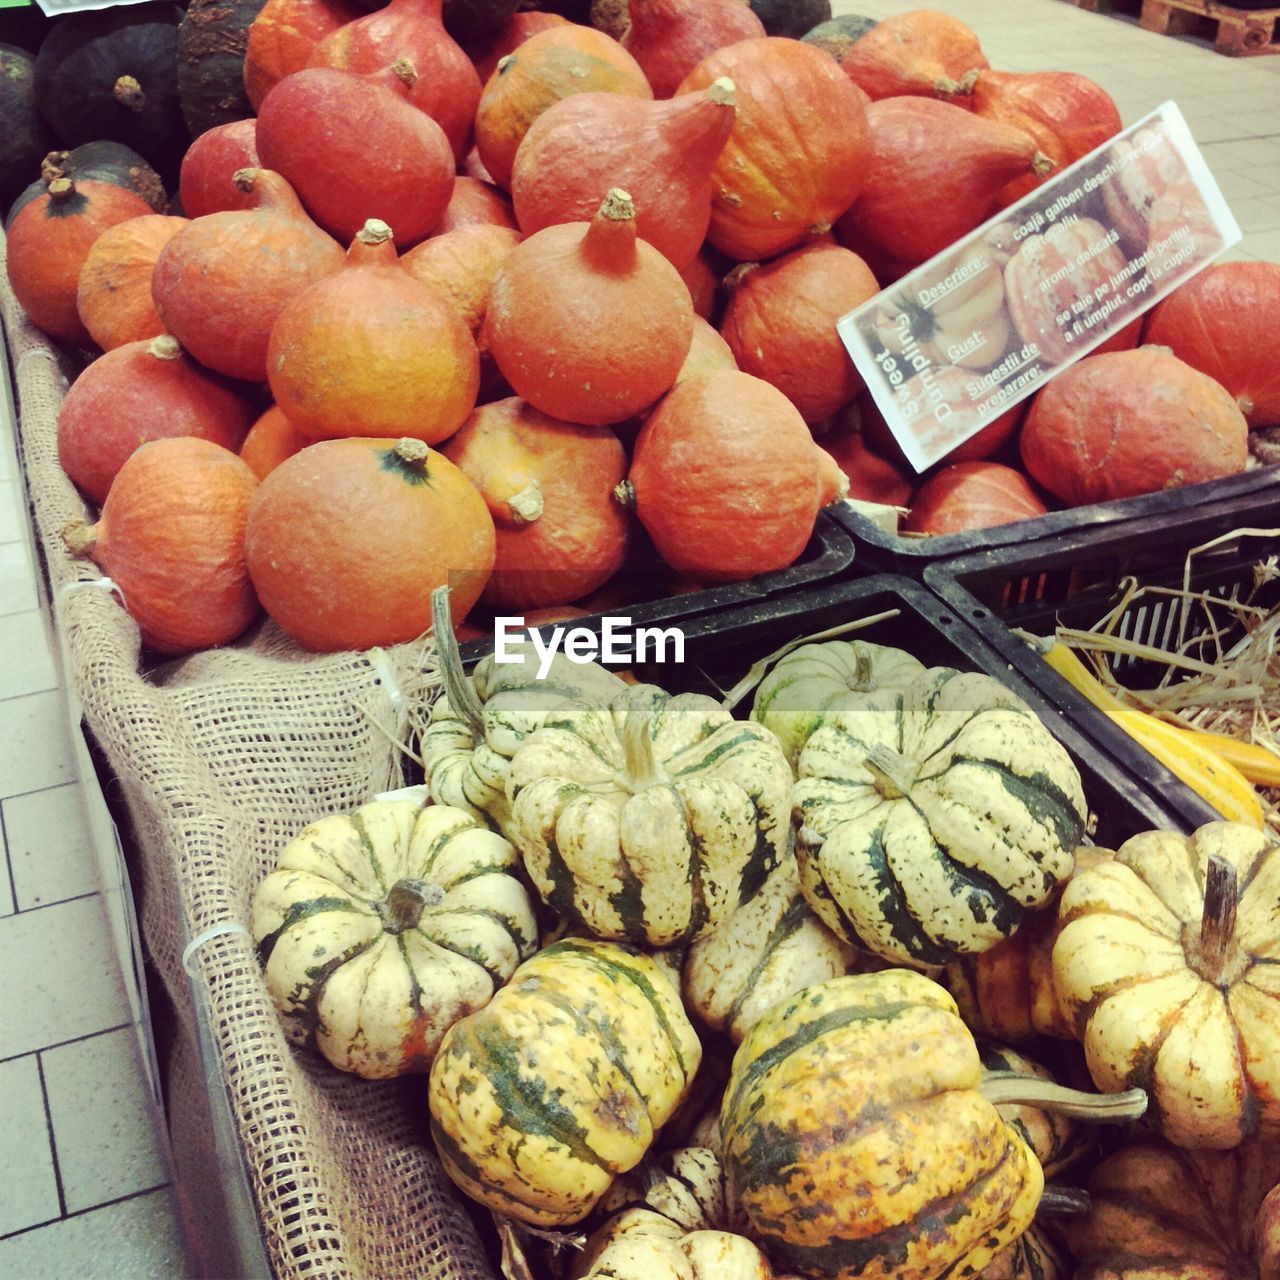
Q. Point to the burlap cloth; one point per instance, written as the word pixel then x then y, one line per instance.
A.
pixel 221 758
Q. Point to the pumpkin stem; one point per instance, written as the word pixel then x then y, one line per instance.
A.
pixel 721 91
pixel 406 901
pixel 375 231
pixel 244 179
pixel 1041 164
pixel 610 240
pixel 405 72
pixel 165 347
pixel 1064 1200
pixel 463 699
pixel 526 506
pixel 624 493
pixel 505 63
pixel 638 763
pixel 61 189
pixel 57 164
pixel 893 775
pixel 1011 1089
pixel 739 274
pixel 128 93
pixel 1218 923
pixel 79 537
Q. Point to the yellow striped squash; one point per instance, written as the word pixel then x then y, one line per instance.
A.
pixel 1036 1255
pixel 1169 963
pixel 856 1143
pixel 540 1099
pixel 931 819
pixel 652 819
pixel 379 929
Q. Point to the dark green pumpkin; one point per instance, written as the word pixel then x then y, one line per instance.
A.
pixel 211 47
pixel 24 136
pixel 112 73
pixel 839 35
pixel 791 17
pixel 103 162
pixel 468 21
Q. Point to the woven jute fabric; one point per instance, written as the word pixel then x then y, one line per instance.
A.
pixel 222 757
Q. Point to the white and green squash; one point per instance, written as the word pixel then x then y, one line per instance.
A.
pixel 379 929
pixel 652 819
pixel 930 819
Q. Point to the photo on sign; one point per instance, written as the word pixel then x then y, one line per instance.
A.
pixel 959 342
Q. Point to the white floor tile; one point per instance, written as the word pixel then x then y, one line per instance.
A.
pixel 1264 245
pixel 1257 213
pixel 50 856
pixel 12 513
pixel 27 646
pixel 35 747
pixel 59 969
pixel 104 1120
pixel 133 1240
pixel 17 579
pixel 28 1184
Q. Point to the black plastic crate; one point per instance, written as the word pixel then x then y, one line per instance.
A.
pixel 720 646
pixel 1076 580
pixel 828 554
pixel 1175 509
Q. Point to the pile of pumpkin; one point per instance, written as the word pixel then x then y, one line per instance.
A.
pixel 746 1047
pixel 537 236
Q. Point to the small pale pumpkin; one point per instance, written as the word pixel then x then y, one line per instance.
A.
pixel 379 929
pixel 540 1099
pixel 652 819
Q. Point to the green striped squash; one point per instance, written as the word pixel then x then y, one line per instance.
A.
pixel 813 682
pixel 770 948
pixel 652 819
pixel 931 819
pixel 686 1186
pixel 1037 1255
pixel 856 1143
pixel 478 722
pixel 558 1085
pixel 379 929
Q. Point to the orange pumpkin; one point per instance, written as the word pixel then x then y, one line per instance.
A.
pixel 1131 422
pixel 510 36
pixel 668 38
pixel 171 536
pixel 703 284
pixel 48 242
pixel 283 37
pixel 707 351
pixel 347 539
pixel 587 322
pixel 370 351
pixel 220 308
pixel 921 53
pixel 447 87
pixel 873 476
pixel 1226 323
pixel 138 392
pixel 476 202
pixel 206 181
pixel 780 324
pixel 113 295
pixel 271 440
pixel 795 159
pixel 460 266
pixel 549 487
pixel 553 64
pixel 661 153
pixel 726 478
pixel 972 495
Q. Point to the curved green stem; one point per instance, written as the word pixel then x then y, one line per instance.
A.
pixel 463 699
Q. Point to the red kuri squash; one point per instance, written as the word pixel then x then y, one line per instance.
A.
pixel 921 53
pixel 780 323
pixel 726 478
pixel 220 283
pixel 508 38
pixel 283 37
pixel 49 241
pixel 353 147
pixel 460 266
pixel 142 391
pixel 668 38
pixel 348 538
pixel 1131 422
pixel 587 322
pixel 205 181
pixel 703 283
pixel 662 153
pixel 872 476
pixel 271 440
pixel 549 487
pixel 371 351
pixel 1226 323
pixel 113 295
pixel 171 536
pixel 473 202
pixel 972 495
pixel 796 158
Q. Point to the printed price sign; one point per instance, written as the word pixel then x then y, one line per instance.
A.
pixel 962 339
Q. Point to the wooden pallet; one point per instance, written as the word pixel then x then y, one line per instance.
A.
pixel 1241 33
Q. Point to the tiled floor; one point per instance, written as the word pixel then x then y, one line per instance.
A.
pixel 83 1183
